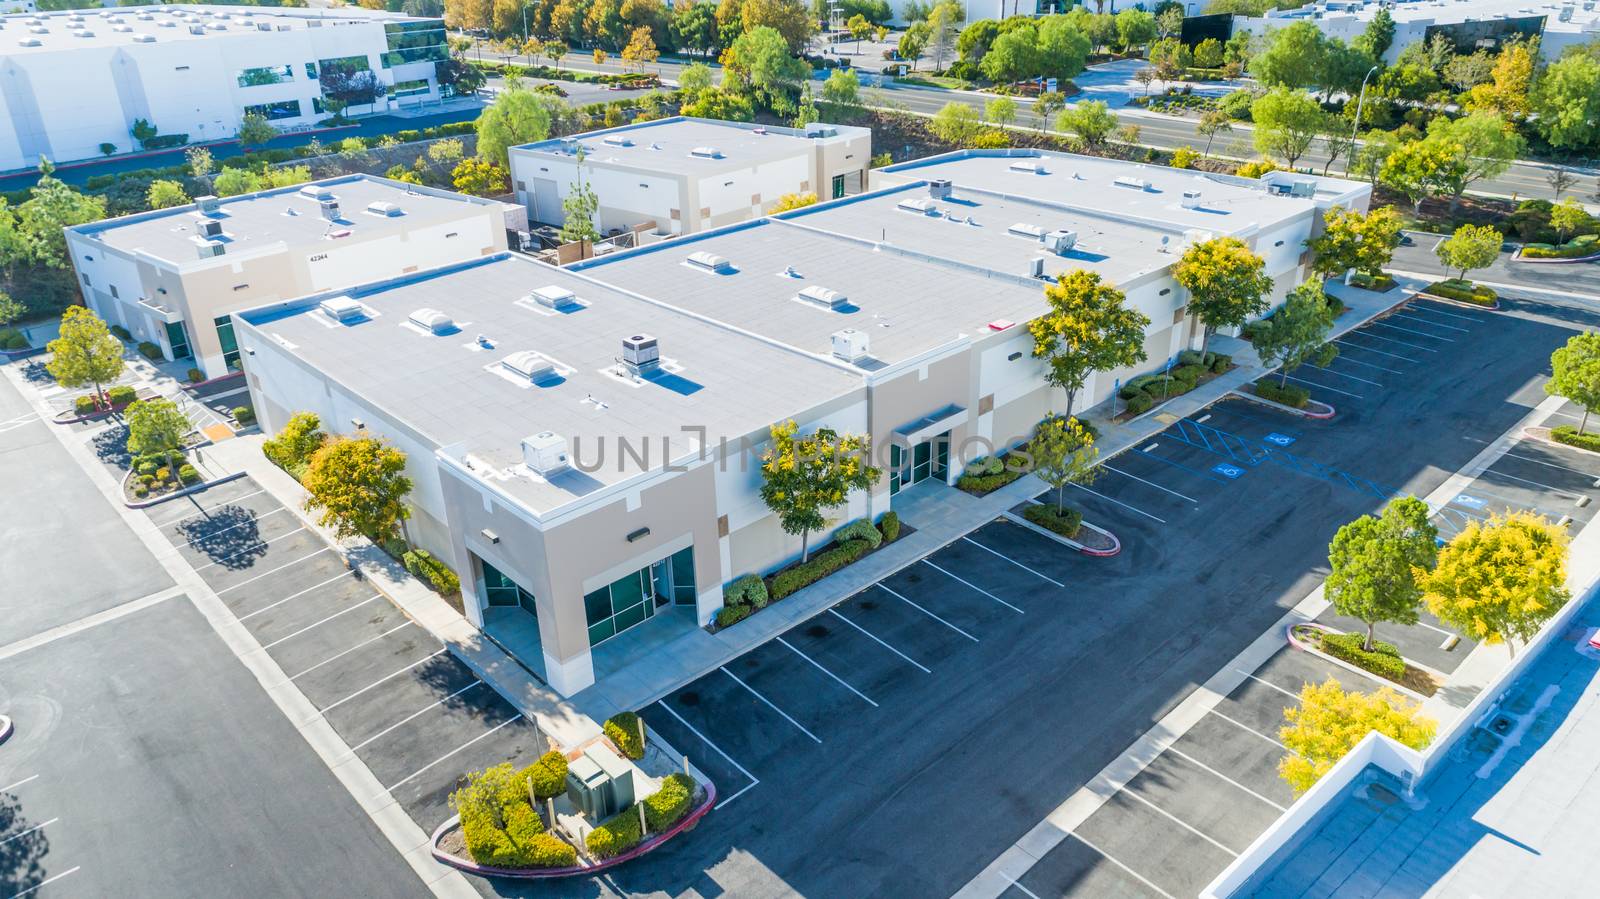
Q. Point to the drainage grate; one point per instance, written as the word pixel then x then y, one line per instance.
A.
pixel 1502 724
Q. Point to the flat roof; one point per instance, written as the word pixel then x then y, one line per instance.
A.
pixel 1447 12
pixel 286 215
pixel 668 145
pixel 137 25
pixel 453 390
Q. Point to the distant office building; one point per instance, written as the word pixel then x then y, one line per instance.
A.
pixel 73 83
pixel 1469 25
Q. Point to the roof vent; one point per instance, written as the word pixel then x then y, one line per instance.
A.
pixel 545 453
pixel 1191 199
pixel 317 192
pixel 711 262
pixel 821 296
pixel 197 29
pixel 1023 229
pixel 1131 182
pixel 553 297
pixel 342 309
pixel 822 131
pixel 706 153
pixel 208 249
pixel 940 188
pixel 851 345
pixel 1060 241
pixel 529 364
pixel 641 354
pixel 617 140
pixel 919 205
pixel 207 204
pixel 329 209
pixel 386 209
pixel 432 320
pixel 144 38
pixel 1030 166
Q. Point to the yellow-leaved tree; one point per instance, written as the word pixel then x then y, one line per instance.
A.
pixel 360 486
pixel 803 476
pixel 1500 579
pixel 1329 722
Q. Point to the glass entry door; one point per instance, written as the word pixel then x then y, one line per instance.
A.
pixel 928 459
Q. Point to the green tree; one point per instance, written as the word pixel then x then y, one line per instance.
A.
pixel 1566 102
pixel 578 209
pixel 1063 453
pixel 1418 170
pixel 720 104
pixel 1212 123
pixel 1575 374
pixel 1087 329
pixel 1328 722
pixel 85 353
pixel 1379 35
pixel 1368 160
pixel 913 43
pixel 1001 111
pixel 956 123
pixel 155 426
pixel 859 28
pixel 1286 121
pixel 10 310
pixel 51 206
pixel 1090 120
pixel 294 446
pixel 1567 217
pixel 802 477
pixel 143 131
pixel 1375 562
pixel 1294 57
pixel 695 77
pixel 165 194
pixel 1510 82
pixel 359 486
pixel 1169 23
pixel 1227 284
pixel 1297 333
pixel 200 162
pixel 943 24
pixel 759 64
pixel 1135 28
pixel 1472 246
pixel 1208 53
pixel 1479 146
pixel 515 117
pixel 1063 48
pixel 842 93
pixel 1364 241
pixel 790 19
pixel 1046 105
pixel 234 181
pixel 1014 56
pixel 254 130
pixel 1500 579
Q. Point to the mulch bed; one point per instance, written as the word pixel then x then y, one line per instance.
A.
pixel 1414 679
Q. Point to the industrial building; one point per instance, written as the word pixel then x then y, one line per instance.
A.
pixel 172 276
pixel 585 440
pixel 680 175
pixel 1469 25
pixel 73 83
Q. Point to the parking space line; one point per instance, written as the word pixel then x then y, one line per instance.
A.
pixel 714 748
pixel 1343 341
pixel 973 586
pixel 415 715
pixel 331 706
pixel 1344 374
pixel 1013 561
pixel 47 881
pixel 1121 503
pixel 346 652
pixel 1436 628
pixel 1432 311
pixel 1343 358
pixel 230 527
pixel 1179 821
pixel 818 665
pixel 323 621
pixel 1214 772
pixel 512 720
pixel 874 638
pixel 1416 346
pixel 1411 330
pixel 22 833
pixel 273 570
pixel 19 783
pixel 1151 483
pixel 1018 884
pixel 280 602
pixel 249 548
pixel 1248 728
pixel 771 705
pixel 1268 683
pixel 1431 324
pixel 1589 474
pixel 1107 856
pixel 928 613
pixel 1326 387
pixel 214 508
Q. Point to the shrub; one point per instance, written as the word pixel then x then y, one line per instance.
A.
pixel 548 775
pixel 12 339
pixel 615 836
pixel 147 479
pixel 188 474
pixel 522 843
pixel 890 526
pixel 84 405
pixel 1188 373
pixel 163 473
pixel 1140 403
pixel 293 446
pixel 664 807
pixel 985 465
pixel 121 332
pixel 1289 395
pixel 141 491
pixel 727 616
pixel 820 566
pixel 1384 660
pixel 196 376
pixel 991 139
pixel 1569 435
pixel 1462 292
pixel 149 350
pixel 244 415
pixel 121 395
pixel 1220 362
pixel 749 590
pixel 147 467
pixel 1189 357
pixel 1062 521
pixel 623 729
pixel 860 529
pixel 426 568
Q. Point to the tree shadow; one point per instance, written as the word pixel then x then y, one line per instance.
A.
pixel 36 373
pixel 111 447
pixel 229 536
pixel 447 678
pixel 22 850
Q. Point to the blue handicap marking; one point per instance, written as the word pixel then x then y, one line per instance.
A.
pixel 1279 439
pixel 1471 502
pixel 1227 470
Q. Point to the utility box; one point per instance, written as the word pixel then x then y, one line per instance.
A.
pixel 600 783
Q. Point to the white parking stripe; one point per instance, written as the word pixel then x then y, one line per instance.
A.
pixel 323 621
pixel 214 508
pixel 346 652
pixel 1344 374
pixel 1436 628
pixel 1014 882
pixel 1344 358
pixel 413 775
pixel 1431 324
pixel 714 748
pixel 973 586
pixel 1151 483
pixel 249 548
pixel 1430 310
pixel 837 678
pixel 1341 340
pixel 19 783
pixel 22 833
pixel 1416 346
pixel 380 680
pixel 273 570
pixel 1405 330
pixel 873 637
pixel 232 526
pixel 1288 693
pixel 1199 764
pixel 47 881
pixel 1013 561
pixel 1588 474
pixel 1326 387
pixel 1121 503
pixel 1180 822
pixel 927 613
pixel 771 705
pixel 1246 727
pixel 342 574
pixel 1135 874
pixel 414 715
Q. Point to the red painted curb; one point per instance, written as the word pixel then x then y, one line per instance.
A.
pixel 177 494
pixel 6 728
pixel 472 867
pixel 93 416
pixel 1102 553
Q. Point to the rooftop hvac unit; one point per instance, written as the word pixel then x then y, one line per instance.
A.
pixel 389 210
pixel 940 188
pixel 600 783
pixel 1060 241
pixel 851 345
pixel 1023 229
pixel 641 354
pixel 1131 182
pixel 706 153
pixel 617 140
pixel 545 453
pixel 529 364
pixel 342 309
pixel 432 320
pixel 919 205
pixel 209 228
pixel 208 249
pixel 1030 166
pixel 207 203
pixel 197 29
pixel 553 297
pixel 317 192
pixel 711 262
pixel 817 295
pixel 329 209
pixel 1303 187
pixel 1191 199
pixel 1036 267
pixel 822 131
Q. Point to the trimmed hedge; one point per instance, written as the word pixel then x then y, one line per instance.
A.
pixel 1569 435
pixel 820 566
pixel 121 395
pixel 522 843
pixel 244 415
pixel 667 805
pixel 85 405
pixel 1289 395
pixel 437 574
pixel 120 332
pixel 623 729
pixel 1139 403
pixel 188 474
pixel 548 774
pixel 889 524
pixel 12 339
pixel 1384 660
pixel 1463 292
pixel 1065 522
pixel 860 529
pixel 149 350
pixel 615 836
pixel 749 590
pixel 1578 247
pixel 987 474
pixel 731 615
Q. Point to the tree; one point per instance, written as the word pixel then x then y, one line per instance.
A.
pixel 943 24
pixel 1566 102
pixel 515 117
pixel 165 194
pixel 1001 111
pixel 1087 329
pixel 155 427
pixel 1208 53
pixel 1297 333
pixel 1568 216
pixel 1509 85
pixel 1169 23
pixel 720 104
pixel 913 42
pixel 556 50
pixel 1379 35
pixel 1063 47
pixel 1145 76
pixel 1481 145
pixel 1375 562
pixel 1368 160
pixel 1046 105
pixel 1135 28
pixel 1328 722
pixel 1063 453
pixel 1014 56
pixel 578 209
pixel 10 310
pixel 802 477
pixel 143 131
pixel 1355 240
pixel 1466 71
pixel 1575 370
pixel 1500 579
pixel 1286 121
pixel 479 177
pixel 85 353
pixel 235 181
pixel 842 93
pixel 200 162
pixel 1472 246
pixel 641 50
pixel 789 18
pixel 254 130
pixel 1227 284
pixel 694 78
pixel 360 486
pixel 1294 57
pixel 1090 120
pixel 1212 123
pixel 956 123
pixel 787 202
pixel 759 65
pixel 1560 179
pixel 1418 170
pixel 859 28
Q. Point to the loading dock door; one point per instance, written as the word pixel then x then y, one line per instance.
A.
pixel 546 202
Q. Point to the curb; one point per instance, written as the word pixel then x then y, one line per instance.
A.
pixel 1382 681
pixel 1518 257
pixel 195 385
pixel 1274 404
pixel 472 867
pixel 24 353
pixel 1423 294
pixel 6 728
pixel 1542 434
pixel 1068 541
pixel 95 416
pixel 191 489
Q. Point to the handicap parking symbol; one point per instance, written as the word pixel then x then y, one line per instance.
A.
pixel 1471 502
pixel 1226 470
pixel 1279 439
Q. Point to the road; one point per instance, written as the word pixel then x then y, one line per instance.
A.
pixel 1574 277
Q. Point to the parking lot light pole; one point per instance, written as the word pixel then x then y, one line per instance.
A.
pixel 1356 128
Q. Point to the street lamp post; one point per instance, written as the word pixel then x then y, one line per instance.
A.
pixel 1356 128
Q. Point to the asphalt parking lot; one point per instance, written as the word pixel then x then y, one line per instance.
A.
pixel 412 712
